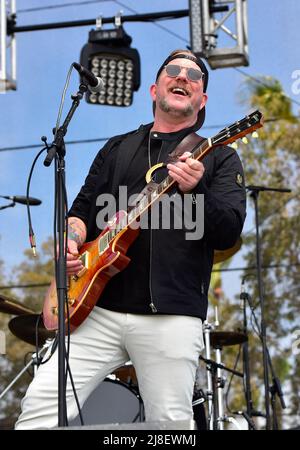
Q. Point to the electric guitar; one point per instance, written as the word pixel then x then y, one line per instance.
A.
pixel 106 255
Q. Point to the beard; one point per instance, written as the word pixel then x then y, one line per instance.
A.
pixel 186 112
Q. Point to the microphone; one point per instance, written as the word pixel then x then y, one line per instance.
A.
pixel 22 199
pixel 95 83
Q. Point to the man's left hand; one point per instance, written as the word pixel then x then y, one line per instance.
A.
pixel 187 172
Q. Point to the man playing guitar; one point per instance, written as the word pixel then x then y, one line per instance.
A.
pixel 150 303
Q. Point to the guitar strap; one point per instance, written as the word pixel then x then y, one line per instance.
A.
pixel 188 144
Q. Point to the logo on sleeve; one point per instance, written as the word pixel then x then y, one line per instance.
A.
pixel 239 179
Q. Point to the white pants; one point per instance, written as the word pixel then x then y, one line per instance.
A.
pixel 164 350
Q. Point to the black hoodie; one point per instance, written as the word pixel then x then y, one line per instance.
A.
pixel 168 274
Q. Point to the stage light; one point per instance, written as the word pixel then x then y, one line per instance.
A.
pixel 108 55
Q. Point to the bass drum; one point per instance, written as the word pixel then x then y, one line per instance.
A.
pixel 111 402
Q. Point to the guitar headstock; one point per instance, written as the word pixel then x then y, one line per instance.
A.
pixel 239 129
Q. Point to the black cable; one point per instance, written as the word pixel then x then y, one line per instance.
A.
pixel 172 33
pixel 53 348
pixel 24 286
pixel 75 393
pixel 272 214
pixel 65 5
pixel 55 248
pixel 147 17
pixel 259 81
pixel 25 362
pixel 253 325
pixel 275 379
pixel 164 29
pixel 30 146
pixel 60 169
pixel 233 269
pixel 231 378
pixel 37 339
pixel 31 232
pixel 271 266
pixel 256 330
pixel 89 141
pixel 68 369
pixel 57 169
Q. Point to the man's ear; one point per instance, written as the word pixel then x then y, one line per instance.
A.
pixel 153 91
pixel 204 100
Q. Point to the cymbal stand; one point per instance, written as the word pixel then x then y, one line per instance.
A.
pixel 220 380
pixel 217 420
pixel 214 419
pixel 220 386
pixel 216 382
pixel 211 369
pixel 35 359
pixel 210 391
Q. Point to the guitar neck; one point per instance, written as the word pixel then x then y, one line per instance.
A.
pixel 224 137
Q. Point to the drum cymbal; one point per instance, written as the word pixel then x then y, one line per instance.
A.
pixel 24 327
pixel 11 306
pixel 222 338
pixel 222 255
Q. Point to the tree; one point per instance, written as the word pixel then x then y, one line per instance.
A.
pixel 273 161
pixel 32 270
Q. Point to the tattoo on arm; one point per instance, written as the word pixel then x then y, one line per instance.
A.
pixel 76 231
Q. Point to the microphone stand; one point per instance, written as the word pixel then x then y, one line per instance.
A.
pixel 244 296
pixel 276 386
pixel 251 412
pixel 254 193
pixel 57 150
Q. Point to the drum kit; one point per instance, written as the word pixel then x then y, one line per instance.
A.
pixel 119 393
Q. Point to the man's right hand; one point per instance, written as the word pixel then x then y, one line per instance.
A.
pixel 74 265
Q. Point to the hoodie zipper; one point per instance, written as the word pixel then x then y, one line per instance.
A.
pixel 152 305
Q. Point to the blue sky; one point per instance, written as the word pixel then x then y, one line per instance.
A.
pixel 43 60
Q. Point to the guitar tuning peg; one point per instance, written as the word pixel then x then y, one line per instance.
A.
pixel 254 134
pixel 234 145
pixel 245 140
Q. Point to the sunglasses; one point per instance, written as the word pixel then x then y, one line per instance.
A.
pixel 173 70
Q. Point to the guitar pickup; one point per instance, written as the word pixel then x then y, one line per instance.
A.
pixel 85 259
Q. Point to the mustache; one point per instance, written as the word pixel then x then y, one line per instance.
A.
pixel 181 86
